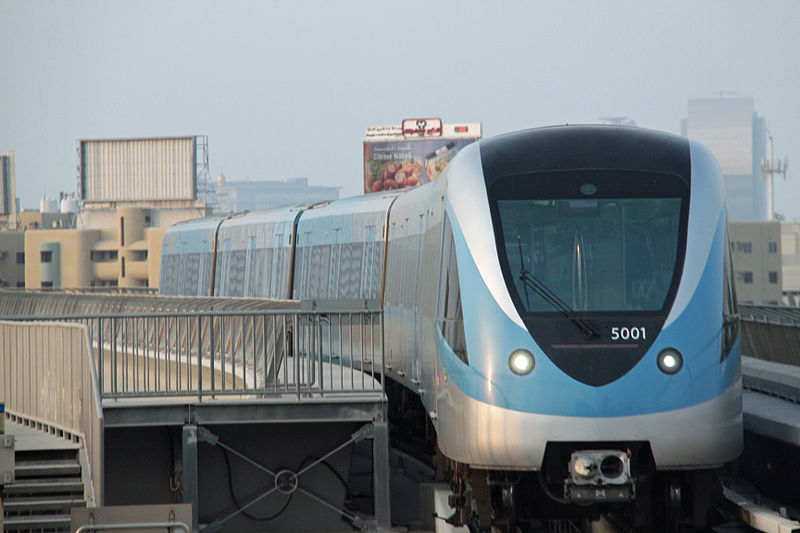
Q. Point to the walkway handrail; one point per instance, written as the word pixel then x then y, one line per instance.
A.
pixel 209 354
pixel 48 378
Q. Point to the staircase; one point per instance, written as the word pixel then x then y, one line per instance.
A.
pixel 47 485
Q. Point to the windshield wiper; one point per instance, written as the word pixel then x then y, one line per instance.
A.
pixel 588 330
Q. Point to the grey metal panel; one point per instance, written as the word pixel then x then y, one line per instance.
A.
pixel 106 518
pixel 165 413
pixel 772 417
pixel 138 169
pixel 774 379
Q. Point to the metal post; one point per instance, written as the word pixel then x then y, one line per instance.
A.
pixel 190 488
pixel 380 467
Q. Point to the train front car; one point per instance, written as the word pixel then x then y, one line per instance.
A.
pixel 600 365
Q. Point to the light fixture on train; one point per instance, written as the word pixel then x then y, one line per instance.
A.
pixel 521 362
pixel 670 361
pixel 584 467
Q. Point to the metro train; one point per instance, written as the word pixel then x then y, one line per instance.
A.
pixel 559 314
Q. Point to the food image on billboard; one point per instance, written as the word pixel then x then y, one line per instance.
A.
pixel 392 161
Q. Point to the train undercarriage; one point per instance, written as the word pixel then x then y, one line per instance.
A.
pixel 579 482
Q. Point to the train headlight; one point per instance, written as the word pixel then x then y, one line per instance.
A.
pixel 584 467
pixel 670 361
pixel 521 362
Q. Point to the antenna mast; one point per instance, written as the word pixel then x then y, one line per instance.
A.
pixel 768 170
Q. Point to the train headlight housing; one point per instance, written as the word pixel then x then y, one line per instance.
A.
pixel 670 361
pixel 521 362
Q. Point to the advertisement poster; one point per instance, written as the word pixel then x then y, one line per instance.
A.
pixel 397 157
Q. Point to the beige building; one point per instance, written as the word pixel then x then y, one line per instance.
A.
pixel 790 260
pixel 130 190
pixel 110 248
pixel 756 256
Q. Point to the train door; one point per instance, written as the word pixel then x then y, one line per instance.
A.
pixel 335 264
pixel 367 263
pixel 224 262
pixel 249 271
pixel 416 356
pixel 203 273
pixel 276 269
pixel 182 269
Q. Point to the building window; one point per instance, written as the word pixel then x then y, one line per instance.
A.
pixel 47 284
pixel 21 284
pixel 47 256
pixel 744 247
pixel 139 255
pixel 103 256
pixel 773 277
pixel 745 277
pixel 773 247
pixel 20 258
pixel 123 267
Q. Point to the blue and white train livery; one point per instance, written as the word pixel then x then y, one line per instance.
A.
pixel 558 307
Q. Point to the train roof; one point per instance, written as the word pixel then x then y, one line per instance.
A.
pixel 584 147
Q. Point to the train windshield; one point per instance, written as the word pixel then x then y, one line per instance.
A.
pixel 605 248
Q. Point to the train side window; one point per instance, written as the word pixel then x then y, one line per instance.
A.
pixel 449 313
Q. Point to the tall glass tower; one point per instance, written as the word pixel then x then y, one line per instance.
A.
pixel 737 136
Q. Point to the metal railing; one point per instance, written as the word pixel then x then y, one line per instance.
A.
pixel 209 354
pixel 771 333
pixel 48 379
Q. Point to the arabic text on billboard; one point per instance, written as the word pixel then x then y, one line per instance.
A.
pixel 392 161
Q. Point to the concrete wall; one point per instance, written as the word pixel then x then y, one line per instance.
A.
pixel 12 271
pixel 75 261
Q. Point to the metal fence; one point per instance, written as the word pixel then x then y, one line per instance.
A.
pixel 771 333
pixel 48 380
pixel 210 354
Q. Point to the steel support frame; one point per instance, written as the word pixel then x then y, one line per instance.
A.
pixel 377 430
pixel 380 467
pixel 190 470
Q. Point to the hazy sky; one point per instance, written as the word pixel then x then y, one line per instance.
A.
pixel 286 89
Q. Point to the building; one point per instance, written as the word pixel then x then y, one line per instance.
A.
pixel 756 257
pixel 790 262
pixel 737 137
pixel 131 191
pixel 251 195
pixel 8 196
pixel 12 259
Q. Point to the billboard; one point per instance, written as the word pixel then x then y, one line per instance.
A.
pixel 414 153
pixel 161 168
